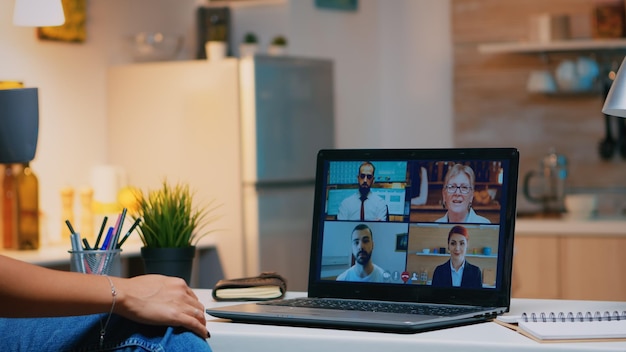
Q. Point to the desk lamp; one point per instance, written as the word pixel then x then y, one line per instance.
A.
pixel 615 103
pixel 38 13
pixel 19 108
pixel 19 124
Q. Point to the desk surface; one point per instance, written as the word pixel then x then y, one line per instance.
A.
pixel 57 254
pixel 227 336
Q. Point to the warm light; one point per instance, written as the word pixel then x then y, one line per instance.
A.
pixel 615 103
pixel 38 13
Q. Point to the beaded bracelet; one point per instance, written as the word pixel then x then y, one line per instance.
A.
pixel 104 328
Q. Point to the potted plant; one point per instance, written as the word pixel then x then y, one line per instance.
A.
pixel 278 46
pixel 171 225
pixel 249 45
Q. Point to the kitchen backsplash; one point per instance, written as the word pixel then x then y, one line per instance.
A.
pixel 493 107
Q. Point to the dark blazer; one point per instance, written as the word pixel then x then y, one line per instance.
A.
pixel 472 277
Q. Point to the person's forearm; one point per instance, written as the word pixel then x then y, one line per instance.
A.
pixel 28 290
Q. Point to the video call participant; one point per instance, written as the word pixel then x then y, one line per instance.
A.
pixel 457 272
pixel 364 205
pixel 458 194
pixel 363 269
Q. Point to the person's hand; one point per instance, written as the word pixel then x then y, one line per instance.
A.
pixel 160 300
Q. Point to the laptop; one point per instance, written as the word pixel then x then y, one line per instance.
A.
pixel 397 270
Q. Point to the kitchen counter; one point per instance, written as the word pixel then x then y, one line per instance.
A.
pixel 569 258
pixel 571 227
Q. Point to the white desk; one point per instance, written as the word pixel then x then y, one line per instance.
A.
pixel 227 336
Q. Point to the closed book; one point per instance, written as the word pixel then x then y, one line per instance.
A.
pixel 267 286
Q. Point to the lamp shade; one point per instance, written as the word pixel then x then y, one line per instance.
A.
pixel 38 13
pixel 615 103
pixel 19 124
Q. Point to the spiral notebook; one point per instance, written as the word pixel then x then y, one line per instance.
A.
pixel 569 327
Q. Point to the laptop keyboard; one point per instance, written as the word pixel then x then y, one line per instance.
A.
pixel 375 306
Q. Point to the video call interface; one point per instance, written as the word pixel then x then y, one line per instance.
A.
pixel 433 222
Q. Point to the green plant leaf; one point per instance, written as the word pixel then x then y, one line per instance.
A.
pixel 170 219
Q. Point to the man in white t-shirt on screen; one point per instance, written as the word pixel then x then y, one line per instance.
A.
pixel 362 247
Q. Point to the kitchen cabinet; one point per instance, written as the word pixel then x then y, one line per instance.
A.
pixel 562 265
pixel 536 267
pixel 593 268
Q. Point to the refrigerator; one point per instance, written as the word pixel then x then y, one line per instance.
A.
pixel 244 133
pixel 179 120
pixel 287 116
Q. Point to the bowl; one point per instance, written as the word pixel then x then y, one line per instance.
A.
pixel 581 206
pixel 156 46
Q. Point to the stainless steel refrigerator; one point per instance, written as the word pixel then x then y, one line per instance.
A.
pixel 287 115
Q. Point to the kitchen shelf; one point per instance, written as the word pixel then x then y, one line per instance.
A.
pixel 553 47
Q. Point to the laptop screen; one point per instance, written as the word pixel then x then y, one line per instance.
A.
pixel 425 225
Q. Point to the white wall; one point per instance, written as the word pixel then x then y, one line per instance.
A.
pixel 71 82
pixel 393 68
pixel 393 62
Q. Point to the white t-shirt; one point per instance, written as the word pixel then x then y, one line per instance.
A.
pixel 352 275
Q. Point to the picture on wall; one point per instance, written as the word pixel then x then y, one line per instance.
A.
pixel 73 30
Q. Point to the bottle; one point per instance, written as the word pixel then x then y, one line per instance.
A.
pixel 9 208
pixel 28 209
pixel 67 211
pixel 86 215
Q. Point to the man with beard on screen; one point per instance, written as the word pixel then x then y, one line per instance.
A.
pixel 364 205
pixel 363 269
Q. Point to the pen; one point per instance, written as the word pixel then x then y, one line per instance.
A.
pixel 107 239
pixel 118 229
pixel 78 251
pixel 86 244
pixel 104 222
pixel 75 242
pixel 119 245
pixel 69 226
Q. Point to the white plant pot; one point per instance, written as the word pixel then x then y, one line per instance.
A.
pixel 247 49
pixel 277 50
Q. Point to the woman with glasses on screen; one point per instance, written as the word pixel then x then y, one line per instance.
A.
pixel 458 193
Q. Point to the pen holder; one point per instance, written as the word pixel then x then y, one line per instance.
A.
pixel 97 262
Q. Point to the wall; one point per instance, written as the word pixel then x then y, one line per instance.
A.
pixel 493 108
pixel 393 81
pixel 393 77
pixel 72 87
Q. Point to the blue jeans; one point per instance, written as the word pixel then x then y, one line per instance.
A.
pixel 82 333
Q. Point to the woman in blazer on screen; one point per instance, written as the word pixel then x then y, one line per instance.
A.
pixel 457 272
